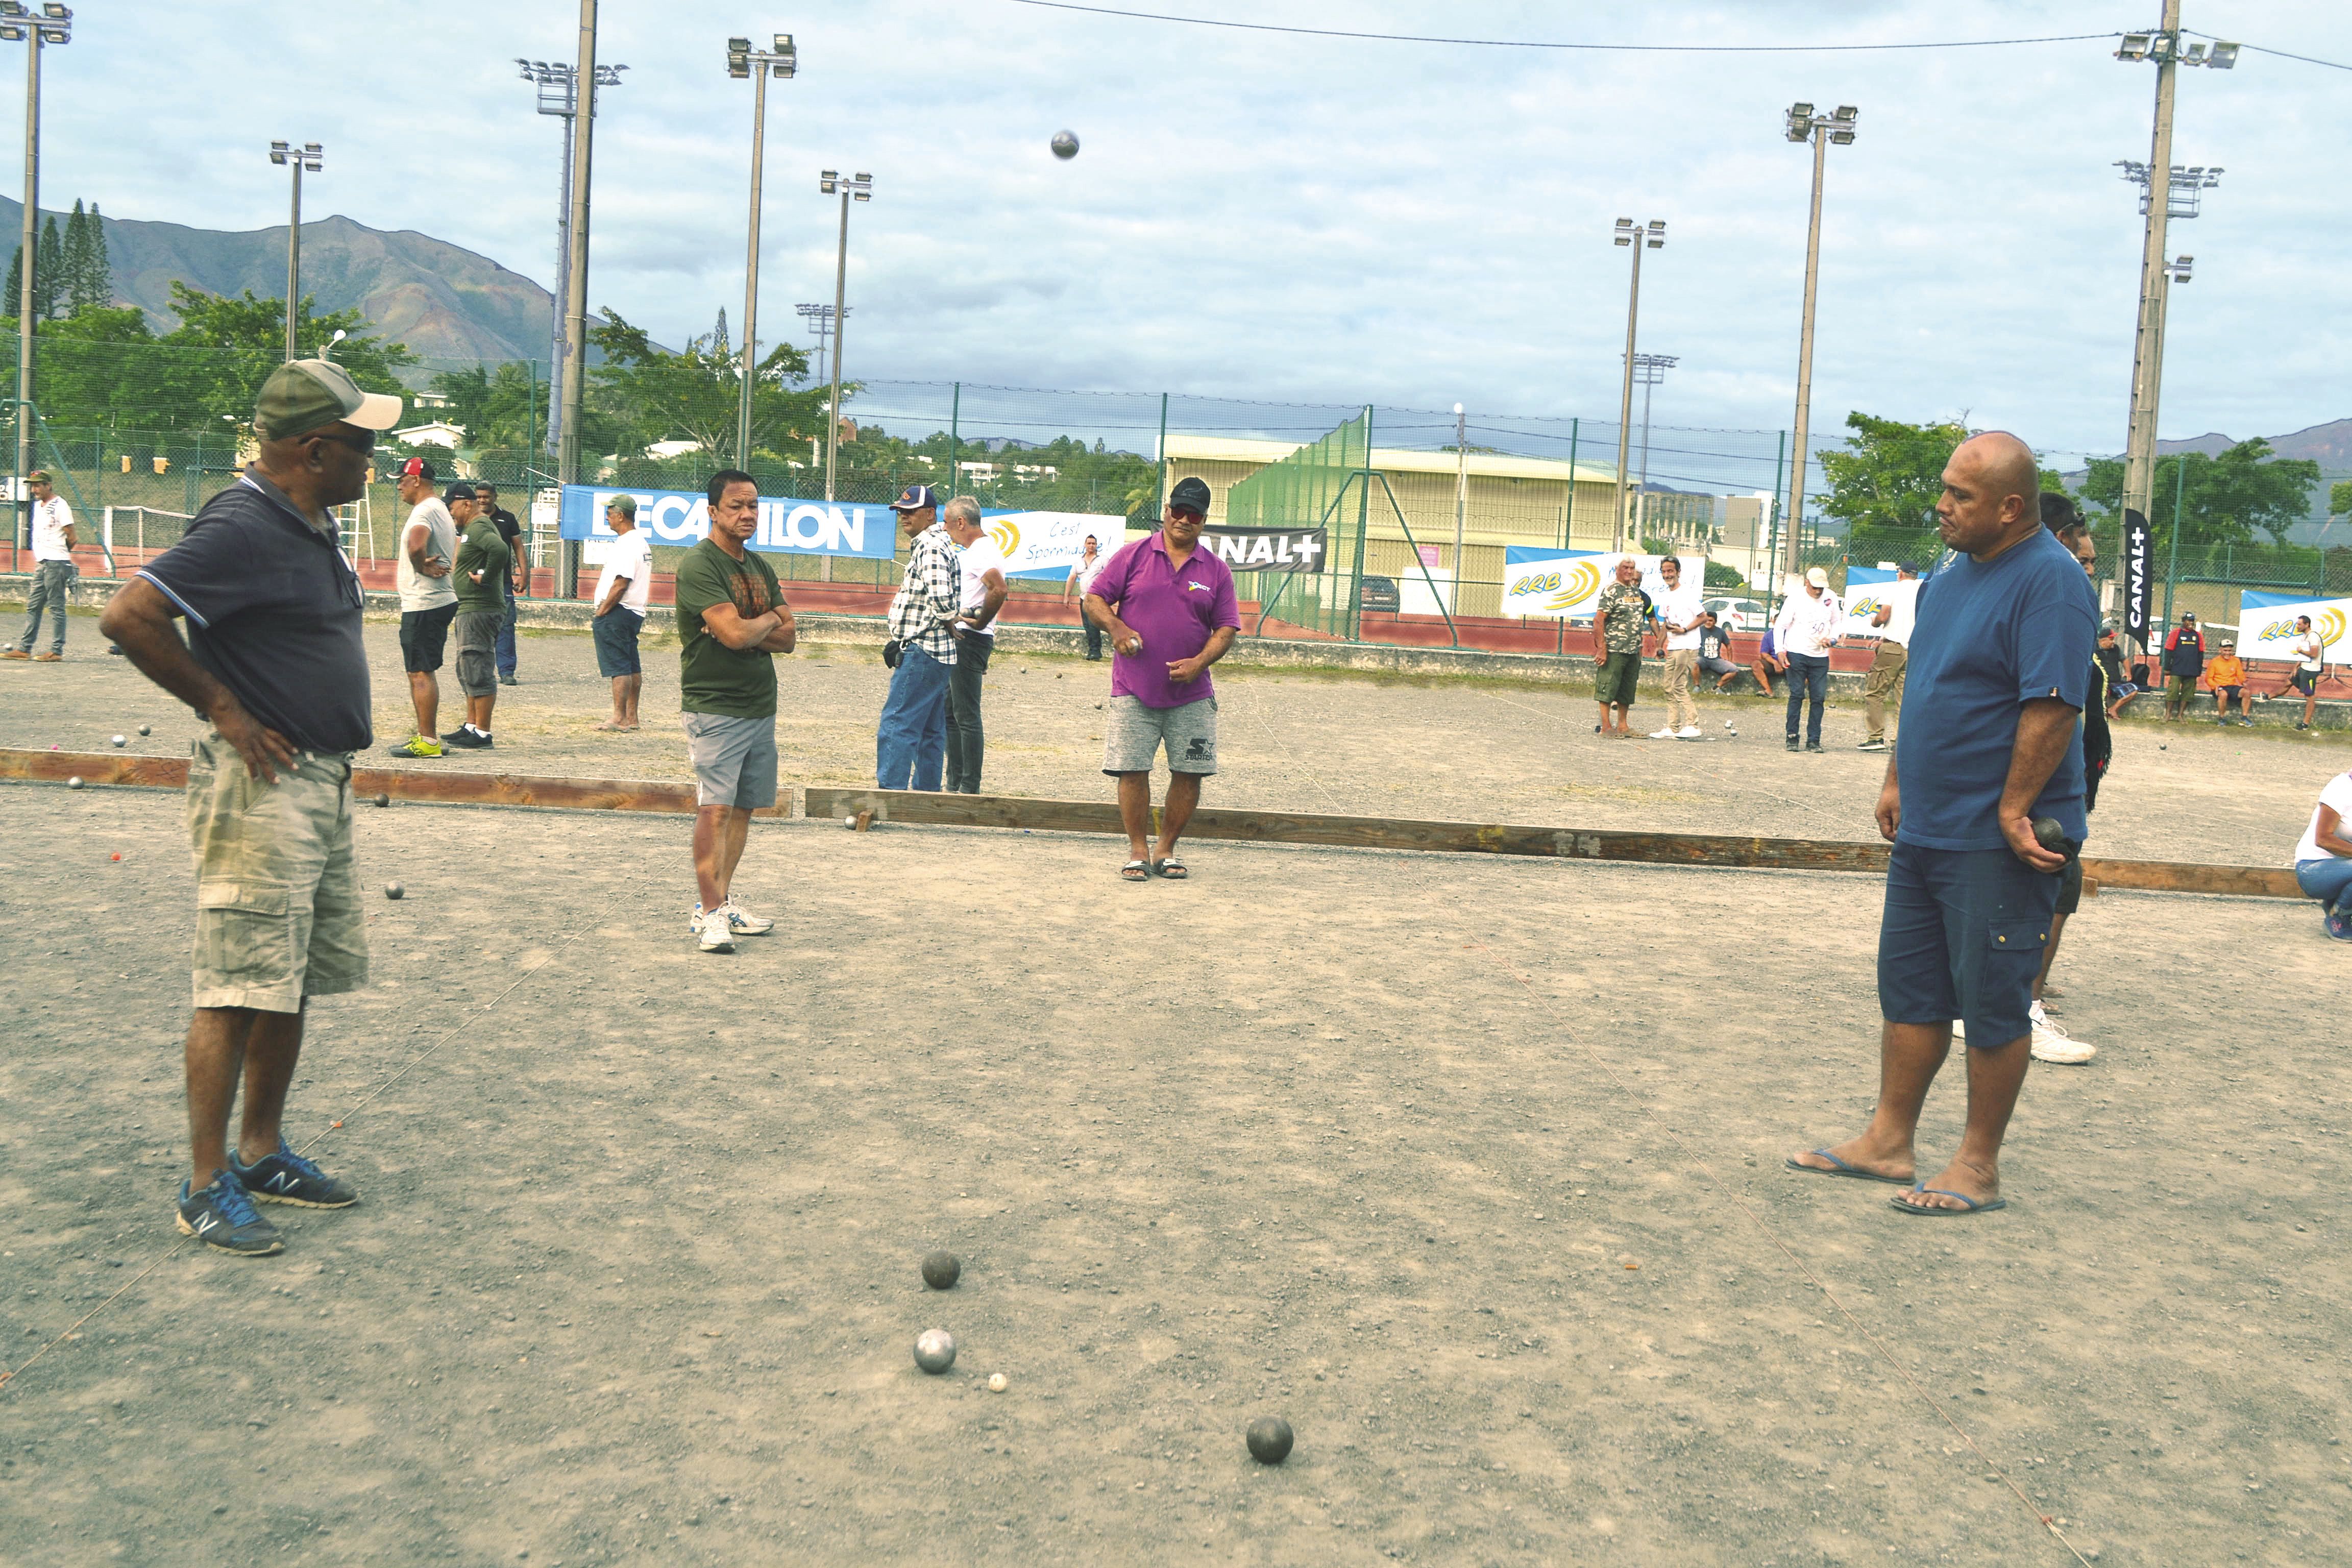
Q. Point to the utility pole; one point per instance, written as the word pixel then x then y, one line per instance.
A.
pixel 307 157
pixel 53 25
pixel 559 96
pixel 573 371
pixel 1461 498
pixel 743 60
pixel 1633 235
pixel 1820 130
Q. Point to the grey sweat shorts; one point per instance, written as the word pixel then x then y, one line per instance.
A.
pixel 477 642
pixel 1133 734
pixel 734 760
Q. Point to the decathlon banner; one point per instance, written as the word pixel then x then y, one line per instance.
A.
pixel 1268 549
pixel 2266 625
pixel 787 527
pixel 1047 544
pixel 1866 590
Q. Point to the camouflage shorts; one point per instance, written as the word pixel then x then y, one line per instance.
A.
pixel 278 907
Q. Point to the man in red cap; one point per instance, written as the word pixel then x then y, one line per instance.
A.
pixel 428 602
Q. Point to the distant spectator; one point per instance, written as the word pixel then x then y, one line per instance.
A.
pixel 622 596
pixel 2184 662
pixel 1677 611
pixel 2323 861
pixel 2226 679
pixel 53 570
pixel 1081 583
pixel 1807 626
pixel 2121 686
pixel 910 742
pixel 481 574
pixel 518 578
pixel 428 602
pixel 1883 684
pixel 1714 651
pixel 2310 653
pixel 1769 662
pixel 1620 620
pixel 980 567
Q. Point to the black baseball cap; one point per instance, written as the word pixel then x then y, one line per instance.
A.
pixel 2187 615
pixel 458 490
pixel 1190 495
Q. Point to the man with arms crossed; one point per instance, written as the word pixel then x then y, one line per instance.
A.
pixel 2000 664
pixel 1678 613
pixel 517 581
pixel 1884 681
pixel 1620 618
pixel 53 570
pixel 1169 609
pixel 275 662
pixel 2184 665
pixel 731 623
pixel 623 594
pixel 980 567
pixel 428 602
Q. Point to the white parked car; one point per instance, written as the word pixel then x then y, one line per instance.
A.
pixel 1738 615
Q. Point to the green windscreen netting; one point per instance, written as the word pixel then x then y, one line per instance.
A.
pixel 1317 486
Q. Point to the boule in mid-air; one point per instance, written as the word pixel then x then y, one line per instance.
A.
pixel 1066 144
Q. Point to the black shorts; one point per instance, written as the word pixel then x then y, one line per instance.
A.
pixel 425 637
pixel 2070 888
pixel 2306 681
pixel 616 634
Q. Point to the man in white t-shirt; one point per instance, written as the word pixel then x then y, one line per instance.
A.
pixel 1081 583
pixel 622 592
pixel 428 547
pixel 1806 629
pixel 53 570
pixel 1678 610
pixel 2323 861
pixel 1896 614
pixel 980 568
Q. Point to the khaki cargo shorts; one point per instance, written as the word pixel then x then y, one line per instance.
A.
pixel 277 904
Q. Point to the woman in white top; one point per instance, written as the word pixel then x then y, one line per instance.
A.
pixel 2323 861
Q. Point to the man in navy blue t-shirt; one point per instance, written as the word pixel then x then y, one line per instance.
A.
pixel 2000 669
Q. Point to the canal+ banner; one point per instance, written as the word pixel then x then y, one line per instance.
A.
pixel 787 527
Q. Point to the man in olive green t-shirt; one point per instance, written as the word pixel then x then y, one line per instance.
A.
pixel 479 576
pixel 731 623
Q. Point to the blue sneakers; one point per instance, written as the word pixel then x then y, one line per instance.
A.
pixel 285 1177
pixel 2339 925
pixel 223 1217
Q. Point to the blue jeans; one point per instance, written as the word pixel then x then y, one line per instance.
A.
pixel 1809 675
pixel 911 742
pixel 505 650
pixel 51 587
pixel 2328 881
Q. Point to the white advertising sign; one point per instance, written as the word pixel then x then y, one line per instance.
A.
pixel 2267 630
pixel 1547 584
pixel 1866 589
pixel 1046 544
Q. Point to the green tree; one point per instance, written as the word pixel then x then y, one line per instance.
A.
pixel 649 394
pixel 48 282
pixel 2339 498
pixel 88 282
pixel 93 367
pixel 214 362
pixel 2224 500
pixel 503 408
pixel 1883 484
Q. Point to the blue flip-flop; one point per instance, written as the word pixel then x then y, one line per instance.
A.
pixel 1843 1169
pixel 1971 1205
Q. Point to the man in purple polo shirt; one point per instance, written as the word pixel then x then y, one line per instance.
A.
pixel 1169 609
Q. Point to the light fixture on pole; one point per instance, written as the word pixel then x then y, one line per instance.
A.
pixel 2165 46
pixel 1648 371
pixel 19 24
pixel 559 96
pixel 1803 125
pixel 858 187
pixel 305 157
pixel 820 320
pixel 743 60
pixel 1639 238
pixel 328 350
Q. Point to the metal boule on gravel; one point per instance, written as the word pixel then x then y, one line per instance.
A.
pixel 146 729
pixel 394 890
pixel 383 799
pixel 122 740
pixel 998 1383
pixel 74 782
pixel 1269 1439
pixel 935 1351
pixel 941 1271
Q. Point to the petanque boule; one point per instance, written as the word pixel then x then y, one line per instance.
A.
pixel 850 821
pixel 394 890
pixel 1269 1439
pixel 122 740
pixel 1064 144
pixel 941 1271
pixel 383 799
pixel 2049 832
pixel 935 1351
pixel 146 729
pixel 74 782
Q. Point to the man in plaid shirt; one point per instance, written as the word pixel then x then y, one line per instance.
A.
pixel 910 744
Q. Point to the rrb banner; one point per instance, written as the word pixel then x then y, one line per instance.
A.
pixel 1268 549
pixel 1046 544
pixel 787 526
pixel 2266 625
pixel 1544 584
pixel 1866 588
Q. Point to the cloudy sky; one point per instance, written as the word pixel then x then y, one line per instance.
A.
pixel 1293 218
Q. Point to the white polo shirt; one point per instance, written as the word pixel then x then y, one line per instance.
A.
pixel 51 518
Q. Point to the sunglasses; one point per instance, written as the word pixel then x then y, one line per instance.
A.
pixel 362 442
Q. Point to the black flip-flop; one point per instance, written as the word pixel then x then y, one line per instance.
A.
pixel 1840 1168
pixel 1129 872
pixel 1939 1212
pixel 1173 869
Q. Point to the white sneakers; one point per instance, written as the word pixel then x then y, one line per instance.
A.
pixel 742 924
pixel 715 933
pixel 1687 732
pixel 1662 734
pixel 2052 1043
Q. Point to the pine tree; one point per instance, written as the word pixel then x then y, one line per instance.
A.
pixel 48 272
pixel 16 283
pixel 85 254
pixel 98 278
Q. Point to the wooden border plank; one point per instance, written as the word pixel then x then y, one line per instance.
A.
pixel 452 788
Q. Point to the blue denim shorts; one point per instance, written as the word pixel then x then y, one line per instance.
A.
pixel 1961 938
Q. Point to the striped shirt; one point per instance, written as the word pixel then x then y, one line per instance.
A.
pixel 929 595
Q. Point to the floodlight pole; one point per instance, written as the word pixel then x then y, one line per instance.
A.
pixel 54 25
pixel 559 96
pixel 574 368
pixel 305 156
pixel 1633 235
pixel 1460 496
pixel 744 60
pixel 1819 132
pixel 860 185
pixel 2148 348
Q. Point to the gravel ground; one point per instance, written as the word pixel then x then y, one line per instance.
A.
pixel 1469 1167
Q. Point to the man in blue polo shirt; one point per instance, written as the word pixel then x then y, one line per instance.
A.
pixel 1169 609
pixel 1999 671
pixel 274 661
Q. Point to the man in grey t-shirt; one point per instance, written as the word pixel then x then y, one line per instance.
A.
pixel 428 602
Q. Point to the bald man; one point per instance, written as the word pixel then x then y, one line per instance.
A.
pixel 1999 669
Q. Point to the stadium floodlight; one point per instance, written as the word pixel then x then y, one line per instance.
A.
pixel 743 60
pixel 2224 57
pixel 2183 268
pixel 19 24
pixel 1650 236
pixel 1822 130
pixel 307 157
pixel 2133 47
pixel 859 187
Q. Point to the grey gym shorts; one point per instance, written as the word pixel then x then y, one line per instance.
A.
pixel 734 760
pixel 1133 734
